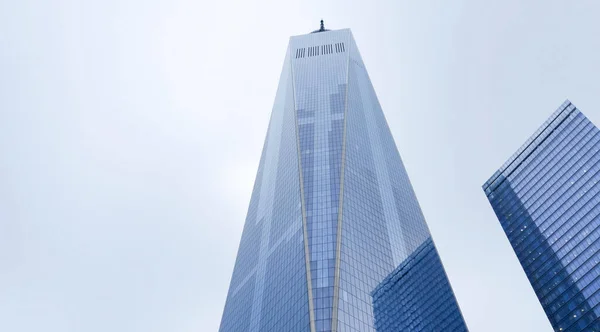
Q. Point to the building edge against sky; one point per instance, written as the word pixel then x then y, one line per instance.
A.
pixel 546 197
pixel 332 213
pixel 415 286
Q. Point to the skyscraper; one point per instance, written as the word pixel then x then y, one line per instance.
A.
pixel 546 198
pixel 332 212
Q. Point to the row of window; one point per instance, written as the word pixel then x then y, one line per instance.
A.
pixel 320 50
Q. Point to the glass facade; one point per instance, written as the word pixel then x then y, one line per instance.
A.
pixel 546 198
pixel 414 287
pixel 332 212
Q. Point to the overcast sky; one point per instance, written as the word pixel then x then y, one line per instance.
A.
pixel 130 135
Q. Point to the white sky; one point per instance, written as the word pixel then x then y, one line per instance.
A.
pixel 130 134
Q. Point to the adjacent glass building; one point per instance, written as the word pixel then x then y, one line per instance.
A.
pixel 546 197
pixel 332 212
pixel 417 296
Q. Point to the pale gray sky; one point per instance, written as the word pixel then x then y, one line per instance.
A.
pixel 130 134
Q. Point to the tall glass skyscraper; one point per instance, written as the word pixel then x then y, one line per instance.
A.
pixel 332 212
pixel 546 197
